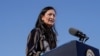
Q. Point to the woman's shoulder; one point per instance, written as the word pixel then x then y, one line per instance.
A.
pixel 35 30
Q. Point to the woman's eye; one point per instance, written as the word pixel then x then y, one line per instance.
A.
pixel 51 14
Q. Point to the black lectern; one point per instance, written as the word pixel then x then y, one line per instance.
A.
pixel 74 48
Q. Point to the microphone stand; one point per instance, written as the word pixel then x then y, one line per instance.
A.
pixel 83 38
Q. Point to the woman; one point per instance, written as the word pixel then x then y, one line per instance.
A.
pixel 42 38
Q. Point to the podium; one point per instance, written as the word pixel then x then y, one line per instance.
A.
pixel 73 48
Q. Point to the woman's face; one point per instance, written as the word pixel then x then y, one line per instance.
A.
pixel 49 17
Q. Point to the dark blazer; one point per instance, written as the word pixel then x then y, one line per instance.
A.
pixel 34 43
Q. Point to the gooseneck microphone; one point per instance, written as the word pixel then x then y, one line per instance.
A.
pixel 82 37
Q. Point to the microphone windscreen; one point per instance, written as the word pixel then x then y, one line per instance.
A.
pixel 73 31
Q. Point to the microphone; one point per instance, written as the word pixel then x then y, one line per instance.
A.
pixel 78 33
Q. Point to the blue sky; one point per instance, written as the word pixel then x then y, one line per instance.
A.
pixel 18 17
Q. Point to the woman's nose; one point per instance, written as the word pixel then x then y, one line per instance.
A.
pixel 52 16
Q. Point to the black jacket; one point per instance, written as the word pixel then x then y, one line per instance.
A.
pixel 35 42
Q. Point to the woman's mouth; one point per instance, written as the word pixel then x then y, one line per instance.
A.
pixel 51 20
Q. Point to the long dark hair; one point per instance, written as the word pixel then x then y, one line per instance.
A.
pixel 51 32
